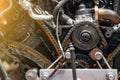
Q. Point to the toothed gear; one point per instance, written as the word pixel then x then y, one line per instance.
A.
pixel 85 36
pixel 83 61
pixel 82 64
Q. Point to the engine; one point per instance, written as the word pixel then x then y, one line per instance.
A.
pixel 60 34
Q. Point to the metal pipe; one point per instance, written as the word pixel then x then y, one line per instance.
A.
pixel 28 6
pixel 39 16
pixel 108 15
pixel 55 62
pixel 99 64
pixel 107 63
pixel 73 66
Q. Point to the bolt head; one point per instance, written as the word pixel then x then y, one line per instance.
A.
pixel 111 76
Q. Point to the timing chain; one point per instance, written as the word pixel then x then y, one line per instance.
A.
pixel 33 55
pixel 74 27
pixel 50 37
pixel 68 35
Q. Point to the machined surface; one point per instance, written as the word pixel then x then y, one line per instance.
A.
pixel 82 74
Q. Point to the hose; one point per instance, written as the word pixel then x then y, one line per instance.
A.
pixel 7 9
pixel 57 8
pixel 67 10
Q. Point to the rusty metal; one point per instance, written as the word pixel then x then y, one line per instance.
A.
pixel 114 53
pixel 93 53
pixel 108 15
pixel 33 55
pixel 51 38
pixel 85 36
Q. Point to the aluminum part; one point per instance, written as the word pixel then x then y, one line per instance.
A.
pixel 110 76
pixel 31 74
pixel 116 27
pixel 98 55
pixel 45 76
pixel 67 55
pixel 82 74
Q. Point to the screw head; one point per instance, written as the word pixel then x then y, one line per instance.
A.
pixel 110 76
pixel 45 76
pixel 98 55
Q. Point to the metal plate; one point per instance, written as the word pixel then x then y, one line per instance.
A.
pixel 82 74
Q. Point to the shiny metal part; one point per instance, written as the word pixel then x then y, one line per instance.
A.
pixel 110 76
pixel 31 74
pixel 109 32
pixel 55 62
pixel 98 63
pixel 105 60
pixel 83 14
pixel 27 5
pixel 116 27
pixel 82 74
pixel 87 17
pixel 98 55
pixel 67 55
pixel 45 76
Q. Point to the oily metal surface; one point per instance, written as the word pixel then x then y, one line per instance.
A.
pixel 87 27
pixel 31 54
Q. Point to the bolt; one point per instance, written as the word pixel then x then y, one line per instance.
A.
pixel 85 36
pixel 45 76
pixel 111 76
pixel 68 55
pixel 31 74
pixel 98 55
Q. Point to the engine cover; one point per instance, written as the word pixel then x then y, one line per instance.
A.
pixel 85 36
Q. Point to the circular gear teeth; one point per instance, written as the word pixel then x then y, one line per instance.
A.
pixel 85 36
pixel 82 63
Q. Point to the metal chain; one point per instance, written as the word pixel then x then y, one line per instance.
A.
pixel 33 55
pixel 50 37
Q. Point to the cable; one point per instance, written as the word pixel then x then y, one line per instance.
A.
pixel 57 35
pixel 7 9
pixel 57 8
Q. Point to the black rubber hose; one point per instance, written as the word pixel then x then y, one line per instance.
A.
pixel 73 61
pixel 67 10
pixel 57 8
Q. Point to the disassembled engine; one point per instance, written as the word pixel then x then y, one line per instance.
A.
pixel 54 39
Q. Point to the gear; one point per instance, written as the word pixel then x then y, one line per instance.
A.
pixel 83 61
pixel 31 54
pixel 82 64
pixel 85 36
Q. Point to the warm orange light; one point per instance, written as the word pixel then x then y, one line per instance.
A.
pixel 3 4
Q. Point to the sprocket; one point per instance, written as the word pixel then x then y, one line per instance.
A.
pixel 83 61
pixel 85 36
